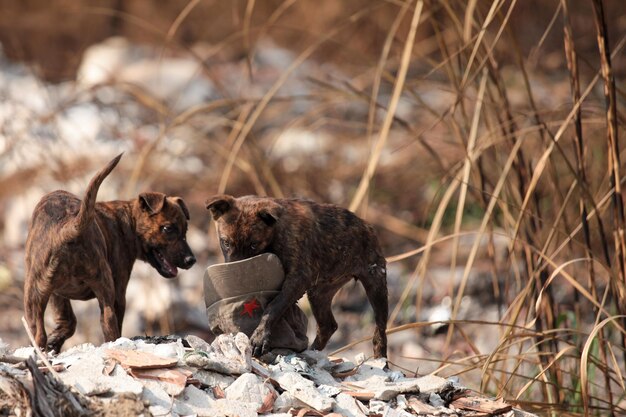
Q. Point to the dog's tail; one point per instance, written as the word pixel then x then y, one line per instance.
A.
pixel 87 206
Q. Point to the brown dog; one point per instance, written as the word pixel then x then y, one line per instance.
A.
pixel 321 247
pixel 82 249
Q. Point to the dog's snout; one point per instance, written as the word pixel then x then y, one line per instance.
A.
pixel 189 261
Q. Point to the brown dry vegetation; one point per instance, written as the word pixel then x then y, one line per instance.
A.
pixel 487 142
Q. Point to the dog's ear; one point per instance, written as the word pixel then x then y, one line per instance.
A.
pixel 218 205
pixel 152 202
pixel 183 206
pixel 270 213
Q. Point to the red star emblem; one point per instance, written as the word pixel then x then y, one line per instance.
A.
pixel 249 307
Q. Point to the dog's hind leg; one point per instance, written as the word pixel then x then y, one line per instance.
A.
pixel 320 299
pixel 105 293
pixel 65 322
pixel 375 283
pixel 120 310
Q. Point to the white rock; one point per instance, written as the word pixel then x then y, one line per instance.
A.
pixel 433 383
pixel 86 375
pixel 160 401
pixel 378 363
pixel 402 402
pixel 304 390
pixel 230 408
pixel 285 401
pixel 195 401
pixel 435 400
pixel 249 389
pixel 213 379
pixel 377 407
pixel 24 352
pixel 348 406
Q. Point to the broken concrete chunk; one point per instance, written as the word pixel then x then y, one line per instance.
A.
pixel 383 389
pixel 349 407
pixel 395 412
pixel 433 383
pixel 195 401
pixel 213 379
pixel 230 408
pixel 228 354
pixel 435 400
pixel 377 407
pixel 304 390
pixel 380 363
pixel 24 352
pixel 86 375
pixel 402 402
pixel 285 402
pixel 390 390
pixel 160 401
pixel 249 389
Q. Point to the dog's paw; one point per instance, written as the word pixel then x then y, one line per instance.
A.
pixel 260 342
pixel 53 347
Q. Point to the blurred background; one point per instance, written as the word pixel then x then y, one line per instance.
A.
pixel 480 138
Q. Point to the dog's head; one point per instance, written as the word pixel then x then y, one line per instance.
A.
pixel 161 224
pixel 246 226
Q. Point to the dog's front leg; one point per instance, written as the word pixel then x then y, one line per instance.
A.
pixel 293 289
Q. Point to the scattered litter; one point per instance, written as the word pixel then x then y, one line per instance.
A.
pixel 221 379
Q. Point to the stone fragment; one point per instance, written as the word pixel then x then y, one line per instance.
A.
pixel 195 401
pixel 304 390
pixel 402 402
pixel 377 407
pixel 249 389
pixel 231 408
pixel 435 400
pixel 433 383
pixel 213 379
pixel 285 402
pixel 160 401
pixel 349 407
pixel 86 375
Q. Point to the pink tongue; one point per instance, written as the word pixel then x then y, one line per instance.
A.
pixel 171 268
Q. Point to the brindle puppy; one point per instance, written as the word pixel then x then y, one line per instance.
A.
pixel 321 247
pixel 82 249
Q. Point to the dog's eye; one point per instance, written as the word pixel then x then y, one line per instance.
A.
pixel 253 246
pixel 167 229
pixel 225 243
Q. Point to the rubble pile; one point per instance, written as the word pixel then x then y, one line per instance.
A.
pixel 182 377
